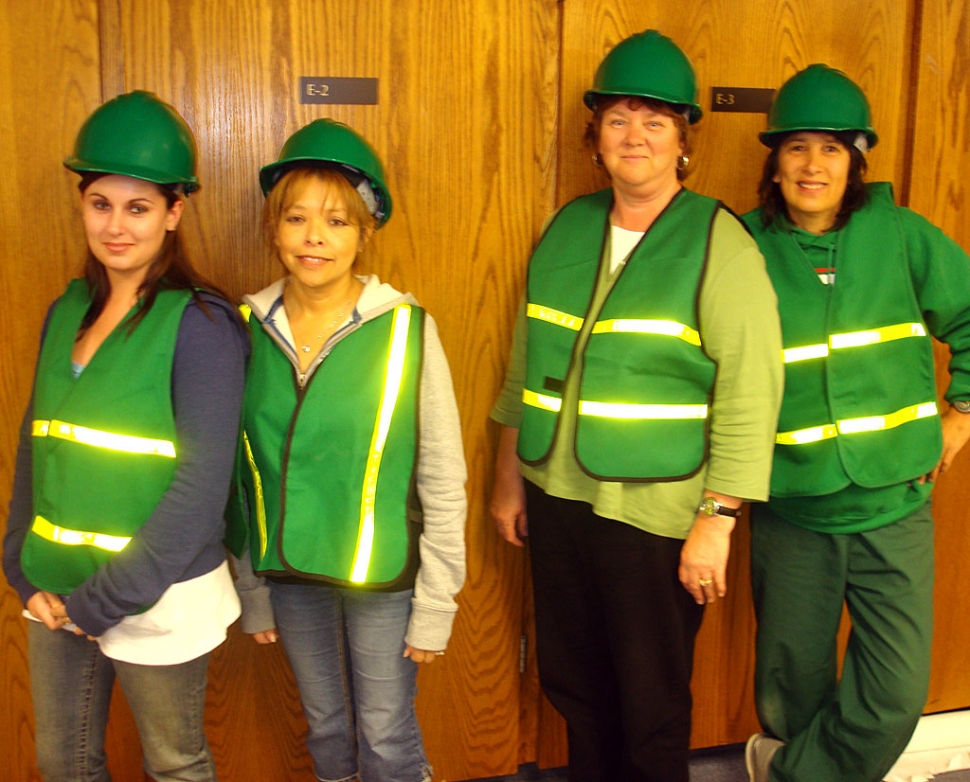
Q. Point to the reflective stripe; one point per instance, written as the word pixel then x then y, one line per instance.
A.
pixel 791 355
pixel 98 439
pixel 811 435
pixel 555 317
pixel 664 412
pixel 873 423
pixel 854 339
pixel 258 491
pixel 385 411
pixel 544 402
pixel 73 537
pixel 667 328
pixel 618 410
pixel 246 311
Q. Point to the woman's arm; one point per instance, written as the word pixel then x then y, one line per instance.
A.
pixel 441 479
pixel 182 538
pixel 21 511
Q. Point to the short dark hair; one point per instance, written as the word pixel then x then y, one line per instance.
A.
pixel 634 102
pixel 773 206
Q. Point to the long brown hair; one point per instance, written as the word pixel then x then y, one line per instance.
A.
pixel 171 270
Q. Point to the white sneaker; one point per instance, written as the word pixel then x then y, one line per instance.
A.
pixel 760 749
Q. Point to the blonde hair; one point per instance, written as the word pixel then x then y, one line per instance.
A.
pixel 291 185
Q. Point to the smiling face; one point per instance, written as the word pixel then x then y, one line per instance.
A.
pixel 813 173
pixel 639 148
pixel 316 239
pixel 126 221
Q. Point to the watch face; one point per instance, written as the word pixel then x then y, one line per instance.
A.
pixel 709 506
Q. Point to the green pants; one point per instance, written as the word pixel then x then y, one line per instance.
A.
pixel 850 729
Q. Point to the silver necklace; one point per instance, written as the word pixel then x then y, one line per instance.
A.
pixel 337 320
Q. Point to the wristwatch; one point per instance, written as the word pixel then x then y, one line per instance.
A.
pixel 961 405
pixel 711 507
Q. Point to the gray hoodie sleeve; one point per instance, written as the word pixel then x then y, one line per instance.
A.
pixel 441 479
pixel 253 591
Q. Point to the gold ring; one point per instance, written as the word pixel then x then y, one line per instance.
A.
pixel 706 582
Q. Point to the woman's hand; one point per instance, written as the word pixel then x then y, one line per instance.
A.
pixel 270 636
pixel 507 505
pixel 420 655
pixel 704 557
pixel 956 432
pixel 49 609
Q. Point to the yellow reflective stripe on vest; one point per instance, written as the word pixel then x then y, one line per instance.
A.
pixel 791 355
pixel 858 339
pixel 813 434
pixel 542 401
pixel 555 317
pixel 385 411
pixel 872 423
pixel 99 439
pixel 854 339
pixel 635 411
pixel 260 499
pixel 618 410
pixel 74 537
pixel 665 328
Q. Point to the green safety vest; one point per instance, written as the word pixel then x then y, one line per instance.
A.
pixel 860 391
pixel 646 381
pixel 326 474
pixel 104 448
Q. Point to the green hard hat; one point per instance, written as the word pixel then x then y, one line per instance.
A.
pixel 334 145
pixel 819 98
pixel 138 135
pixel 648 65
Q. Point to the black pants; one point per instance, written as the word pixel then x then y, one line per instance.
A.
pixel 615 641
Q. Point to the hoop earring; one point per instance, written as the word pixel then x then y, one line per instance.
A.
pixel 682 162
pixel 597 160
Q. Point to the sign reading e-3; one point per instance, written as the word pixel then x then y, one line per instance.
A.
pixel 752 100
pixel 338 89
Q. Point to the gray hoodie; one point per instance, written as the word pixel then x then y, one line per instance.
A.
pixel 441 471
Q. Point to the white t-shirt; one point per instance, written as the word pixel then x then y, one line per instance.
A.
pixel 189 620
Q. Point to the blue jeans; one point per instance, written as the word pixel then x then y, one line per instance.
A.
pixel 71 683
pixel 345 647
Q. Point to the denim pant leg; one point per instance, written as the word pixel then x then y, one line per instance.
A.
pixel 71 686
pixel 168 702
pixel 384 685
pixel 310 622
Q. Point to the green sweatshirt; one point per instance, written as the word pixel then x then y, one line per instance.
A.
pixel 939 271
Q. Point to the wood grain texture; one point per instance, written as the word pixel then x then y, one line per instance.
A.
pixel 49 77
pixel 940 157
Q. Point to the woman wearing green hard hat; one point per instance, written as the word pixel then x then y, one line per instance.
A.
pixel 350 494
pixel 114 539
pixel 638 414
pixel 862 286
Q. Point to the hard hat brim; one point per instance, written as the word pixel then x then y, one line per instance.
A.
pixel 695 112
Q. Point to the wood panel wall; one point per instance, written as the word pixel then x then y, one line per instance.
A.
pixel 479 122
pixel 939 159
